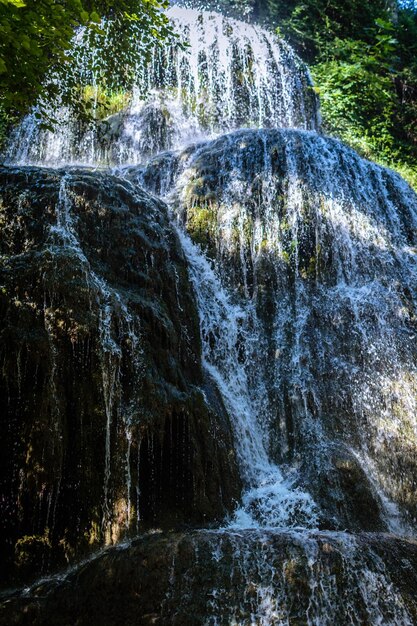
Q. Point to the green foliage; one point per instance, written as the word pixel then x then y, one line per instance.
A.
pixel 99 102
pixel 356 88
pixel 406 78
pixel 36 35
pixel 364 62
pixel 6 121
pixel 368 100
pixel 311 26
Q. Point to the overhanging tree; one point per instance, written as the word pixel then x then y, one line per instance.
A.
pixel 36 36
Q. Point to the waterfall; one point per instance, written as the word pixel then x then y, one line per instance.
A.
pixel 300 259
pixel 116 325
pixel 317 268
pixel 227 75
pixel 264 590
pixel 230 338
pixel 337 320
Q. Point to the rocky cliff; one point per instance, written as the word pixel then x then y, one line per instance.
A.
pixel 108 422
pixel 208 382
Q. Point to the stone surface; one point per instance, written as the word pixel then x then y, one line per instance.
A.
pixel 317 246
pixel 105 427
pixel 247 577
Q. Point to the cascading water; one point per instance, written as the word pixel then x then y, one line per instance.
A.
pixel 302 261
pixel 229 75
pixel 230 341
pixel 341 261
pixel 116 326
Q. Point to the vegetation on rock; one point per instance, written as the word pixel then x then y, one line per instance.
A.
pixel 36 37
pixel 363 60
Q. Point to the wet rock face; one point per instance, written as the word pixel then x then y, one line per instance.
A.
pixel 229 74
pixel 256 358
pixel 222 577
pixel 319 248
pixel 149 131
pixel 105 427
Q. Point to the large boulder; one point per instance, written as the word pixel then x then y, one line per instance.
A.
pixel 221 577
pixel 318 248
pixel 108 424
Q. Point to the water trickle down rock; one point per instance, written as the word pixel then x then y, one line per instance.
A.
pixel 222 578
pixel 317 250
pixel 300 257
pixel 105 427
pixel 229 75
